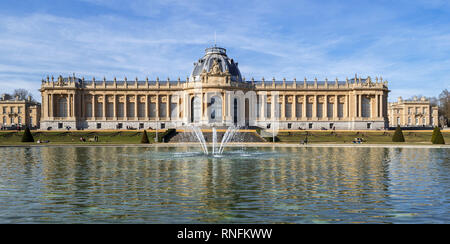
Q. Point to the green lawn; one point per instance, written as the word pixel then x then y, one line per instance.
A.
pixel 134 137
pixel 378 137
pixel 73 137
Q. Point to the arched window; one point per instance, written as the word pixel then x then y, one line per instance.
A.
pixel 365 108
pixel 62 107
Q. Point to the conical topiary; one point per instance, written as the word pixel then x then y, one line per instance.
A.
pixel 144 138
pixel 398 135
pixel 27 136
pixel 437 137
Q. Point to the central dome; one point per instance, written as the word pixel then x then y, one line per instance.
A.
pixel 220 55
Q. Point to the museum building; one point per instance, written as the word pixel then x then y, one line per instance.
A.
pixel 215 94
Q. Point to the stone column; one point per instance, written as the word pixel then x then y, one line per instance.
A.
pixel 125 107
pixel 157 108
pixel 93 107
pixel 325 109
pixel 305 100
pixel 68 106
pixel 347 106
pixel 104 106
pixel 283 108
pixel 380 106
pixel 115 107
pixel 314 108
pixel 74 111
pixel 294 108
pixel 136 107
pixel 336 107
pixel 360 106
pixel 168 107
pixel 146 107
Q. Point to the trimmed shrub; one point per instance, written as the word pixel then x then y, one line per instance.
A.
pixel 398 135
pixel 437 137
pixel 27 136
pixel 144 138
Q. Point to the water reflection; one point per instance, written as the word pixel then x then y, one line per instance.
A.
pixel 251 185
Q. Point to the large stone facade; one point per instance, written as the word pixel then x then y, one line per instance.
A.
pixel 16 113
pixel 413 113
pixel 214 95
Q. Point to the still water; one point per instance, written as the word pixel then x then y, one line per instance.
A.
pixel 251 185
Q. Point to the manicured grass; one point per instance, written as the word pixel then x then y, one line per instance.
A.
pixel 73 137
pixel 376 137
pixel 134 137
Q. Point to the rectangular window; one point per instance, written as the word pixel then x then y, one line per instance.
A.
pixel 19 110
pixel 88 110
pixel 298 110
pixel 319 110
pixel 424 110
pixel 289 125
pixel 119 126
pixel 4 110
pixel 331 125
pixel 141 108
pixel 99 125
pixel 310 125
pixel 152 110
pixel 120 110
pixel 330 111
pixel 4 120
pixel 60 125
pixel 288 111
pixel 99 110
pixel 109 110
pixel 130 110
pixel 278 110
pixel 269 110
pixel 369 125
pixel 173 110
pixel 268 126
pixel 162 110
pixel 163 125
pixel 417 110
pixel 340 110
pixel 309 107
pixel 141 125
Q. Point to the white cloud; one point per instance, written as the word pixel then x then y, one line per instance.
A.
pixel 160 38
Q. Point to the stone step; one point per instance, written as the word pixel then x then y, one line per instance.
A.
pixel 239 137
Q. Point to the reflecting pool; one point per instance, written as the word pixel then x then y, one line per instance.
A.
pixel 244 185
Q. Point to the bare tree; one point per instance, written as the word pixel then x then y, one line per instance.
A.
pixel 7 96
pixel 444 105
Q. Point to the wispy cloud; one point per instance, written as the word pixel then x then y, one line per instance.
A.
pixel 289 39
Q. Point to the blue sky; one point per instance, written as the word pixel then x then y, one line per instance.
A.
pixel 405 42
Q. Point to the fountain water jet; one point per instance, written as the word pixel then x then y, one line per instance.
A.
pixel 216 149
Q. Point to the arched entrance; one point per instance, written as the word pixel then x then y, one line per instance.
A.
pixel 235 111
pixel 62 107
pixel 196 109
pixel 215 109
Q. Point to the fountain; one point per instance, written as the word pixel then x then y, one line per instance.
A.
pixel 216 149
